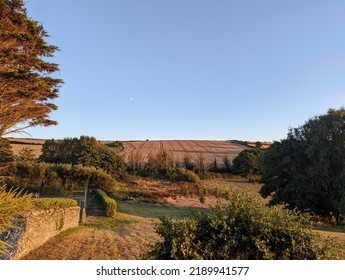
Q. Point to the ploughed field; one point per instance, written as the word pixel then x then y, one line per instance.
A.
pixel 208 150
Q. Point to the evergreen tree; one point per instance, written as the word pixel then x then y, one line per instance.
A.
pixel 26 85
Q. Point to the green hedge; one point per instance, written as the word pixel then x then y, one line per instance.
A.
pixel 55 178
pixel 109 203
pixel 53 203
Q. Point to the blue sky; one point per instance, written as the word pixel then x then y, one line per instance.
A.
pixel 193 69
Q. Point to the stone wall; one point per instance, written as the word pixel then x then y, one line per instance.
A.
pixel 36 228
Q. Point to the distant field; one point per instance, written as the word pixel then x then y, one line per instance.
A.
pixel 20 143
pixel 194 149
pixel 141 150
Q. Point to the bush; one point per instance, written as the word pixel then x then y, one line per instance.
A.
pixel 53 203
pixel 109 203
pixel 243 229
pixel 182 174
pixel 13 204
pixel 173 174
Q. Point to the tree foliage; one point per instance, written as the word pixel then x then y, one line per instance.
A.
pixel 248 162
pixel 243 229
pixel 86 151
pixel 6 153
pixel 307 169
pixel 26 84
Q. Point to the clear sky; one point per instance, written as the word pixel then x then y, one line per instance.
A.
pixel 193 69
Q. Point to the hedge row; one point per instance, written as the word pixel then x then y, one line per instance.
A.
pixel 53 203
pixel 108 202
pixel 55 178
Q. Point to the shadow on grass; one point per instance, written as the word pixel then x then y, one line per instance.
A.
pixel 148 210
pixel 108 222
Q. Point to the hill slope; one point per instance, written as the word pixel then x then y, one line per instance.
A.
pixel 139 151
pixel 209 150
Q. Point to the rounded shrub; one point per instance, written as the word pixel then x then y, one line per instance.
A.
pixel 108 202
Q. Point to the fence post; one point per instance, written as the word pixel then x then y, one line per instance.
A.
pixel 83 215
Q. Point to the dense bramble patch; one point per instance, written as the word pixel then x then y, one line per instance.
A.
pixel 243 229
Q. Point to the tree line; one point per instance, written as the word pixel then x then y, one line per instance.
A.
pixel 64 165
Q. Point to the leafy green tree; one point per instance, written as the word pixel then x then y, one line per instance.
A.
pixel 27 87
pixel 307 169
pixel 86 151
pixel 50 152
pixel 248 162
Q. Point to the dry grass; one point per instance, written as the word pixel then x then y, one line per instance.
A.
pixel 338 237
pixel 234 185
pixel 123 238
pixel 91 243
pixel 126 237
